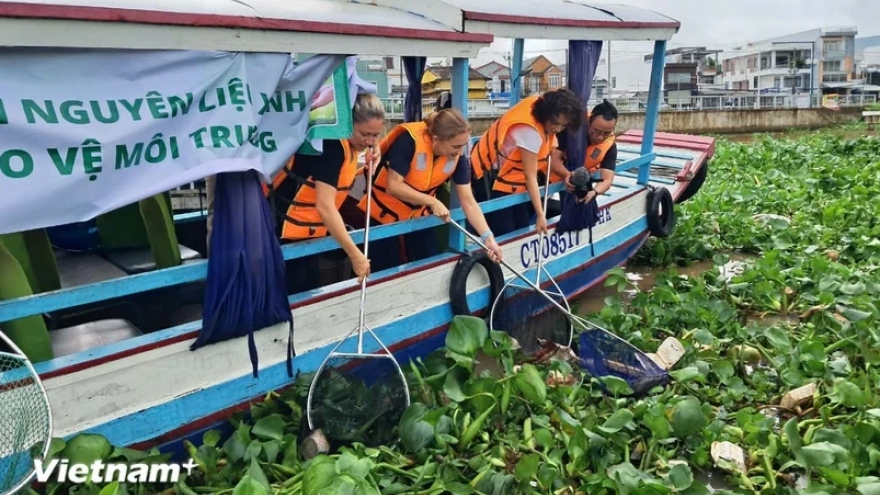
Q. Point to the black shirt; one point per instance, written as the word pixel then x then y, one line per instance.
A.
pixel 609 162
pixel 325 168
pixel 400 155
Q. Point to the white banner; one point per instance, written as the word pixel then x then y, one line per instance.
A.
pixel 84 133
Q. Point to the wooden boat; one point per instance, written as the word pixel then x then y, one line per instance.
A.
pixel 144 386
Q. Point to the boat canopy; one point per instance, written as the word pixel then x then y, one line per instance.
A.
pixel 545 19
pixel 276 26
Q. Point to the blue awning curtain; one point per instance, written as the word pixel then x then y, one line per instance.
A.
pixel 412 105
pixel 583 58
pixel 246 287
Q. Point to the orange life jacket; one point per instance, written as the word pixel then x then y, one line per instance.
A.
pixel 426 175
pixel 596 153
pixel 484 156
pixel 302 220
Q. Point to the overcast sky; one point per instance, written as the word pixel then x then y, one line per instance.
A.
pixel 714 24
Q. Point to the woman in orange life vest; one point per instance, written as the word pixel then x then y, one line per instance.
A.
pixel 519 145
pixel 417 159
pixel 601 152
pixel 319 184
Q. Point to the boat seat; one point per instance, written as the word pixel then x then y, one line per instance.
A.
pixel 89 335
pixel 80 268
pixel 31 334
pixel 140 237
pixel 141 260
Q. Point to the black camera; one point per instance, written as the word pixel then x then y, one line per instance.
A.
pixel 582 182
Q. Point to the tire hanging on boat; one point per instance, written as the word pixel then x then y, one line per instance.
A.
pixel 458 282
pixel 661 212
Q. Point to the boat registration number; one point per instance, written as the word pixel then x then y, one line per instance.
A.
pixel 554 244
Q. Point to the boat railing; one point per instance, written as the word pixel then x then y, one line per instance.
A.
pixel 197 270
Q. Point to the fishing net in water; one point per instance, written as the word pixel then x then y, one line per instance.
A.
pixel 358 399
pixel 25 419
pixel 603 354
pixel 527 316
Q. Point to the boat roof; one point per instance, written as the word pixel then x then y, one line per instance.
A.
pixel 278 26
pixel 545 19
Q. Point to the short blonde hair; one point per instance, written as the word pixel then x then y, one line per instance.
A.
pixel 446 124
pixel 366 108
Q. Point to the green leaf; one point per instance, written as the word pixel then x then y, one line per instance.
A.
pixel 823 454
pixel 249 486
pixel 778 339
pixel 350 464
pixel 111 489
pixel 319 474
pixel 688 374
pixel 415 433
pixel 847 393
pixel 617 421
pixel 688 418
pixel 530 384
pixel 86 448
pixel 270 427
pixel 616 386
pixel 452 385
pixel 255 472
pixel 466 335
pixel 681 476
pixel 211 438
pixel 869 488
pixel 852 314
pixel 527 467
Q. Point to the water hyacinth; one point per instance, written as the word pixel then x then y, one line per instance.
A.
pixel 776 392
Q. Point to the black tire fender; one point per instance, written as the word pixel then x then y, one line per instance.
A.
pixel 661 212
pixel 460 274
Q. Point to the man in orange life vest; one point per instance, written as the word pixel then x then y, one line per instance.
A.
pixel 319 185
pixel 518 146
pixel 601 155
pixel 418 158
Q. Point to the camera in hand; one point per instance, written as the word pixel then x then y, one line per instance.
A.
pixel 582 182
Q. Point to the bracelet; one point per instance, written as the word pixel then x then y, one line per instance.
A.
pixel 486 235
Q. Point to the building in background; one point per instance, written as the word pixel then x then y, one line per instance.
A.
pixel 822 59
pixel 689 72
pixel 539 74
pixel 438 78
pixel 499 79
pixel 376 72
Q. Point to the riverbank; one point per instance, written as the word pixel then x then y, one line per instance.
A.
pixel 731 121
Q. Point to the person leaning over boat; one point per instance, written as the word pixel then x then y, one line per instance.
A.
pixel 518 145
pixel 418 158
pixel 601 152
pixel 319 184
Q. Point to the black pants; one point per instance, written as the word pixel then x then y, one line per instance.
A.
pixel 511 218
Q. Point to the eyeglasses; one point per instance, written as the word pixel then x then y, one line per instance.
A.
pixel 601 134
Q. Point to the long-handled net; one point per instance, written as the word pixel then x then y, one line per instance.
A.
pixel 25 418
pixel 527 315
pixel 358 396
pixel 600 352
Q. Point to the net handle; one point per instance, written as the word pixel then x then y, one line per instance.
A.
pixel 368 174
pixel 542 235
